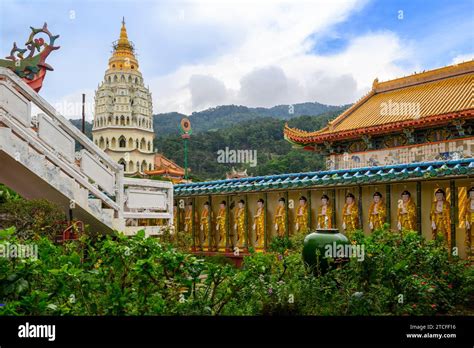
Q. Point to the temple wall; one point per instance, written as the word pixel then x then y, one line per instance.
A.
pixel 440 150
pixel 337 199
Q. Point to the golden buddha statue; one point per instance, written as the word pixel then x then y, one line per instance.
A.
pixel 301 225
pixel 175 217
pixel 221 227
pixel 258 239
pixel 406 213
pixel 280 218
pixel 469 219
pixel 350 214
pixel 189 222
pixel 377 212
pixel 440 216
pixel 206 218
pixel 238 237
pixel 324 213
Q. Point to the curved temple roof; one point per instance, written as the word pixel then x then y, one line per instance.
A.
pixel 432 97
pixel 367 175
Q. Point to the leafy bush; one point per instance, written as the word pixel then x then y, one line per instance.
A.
pixel 32 218
pixel 7 194
pixel 118 275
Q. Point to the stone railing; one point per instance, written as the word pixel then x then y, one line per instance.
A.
pixel 88 177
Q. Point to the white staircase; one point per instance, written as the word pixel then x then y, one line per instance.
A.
pixel 38 160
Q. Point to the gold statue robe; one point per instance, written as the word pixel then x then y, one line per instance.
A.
pixel 221 229
pixel 377 215
pixel 204 228
pixel 469 219
pixel 302 219
pixel 280 221
pixel 188 221
pixel 406 215
pixel 239 228
pixel 188 226
pixel 175 219
pixel 259 221
pixel 325 216
pixel 440 215
pixel 350 217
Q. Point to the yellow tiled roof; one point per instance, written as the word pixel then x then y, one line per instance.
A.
pixel 442 91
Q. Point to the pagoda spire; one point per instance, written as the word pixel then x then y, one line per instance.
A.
pixel 123 56
pixel 123 42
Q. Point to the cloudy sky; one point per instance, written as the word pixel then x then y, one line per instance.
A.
pixel 199 54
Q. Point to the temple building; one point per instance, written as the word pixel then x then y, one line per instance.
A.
pixel 402 155
pixel 123 118
pixel 166 168
pixel 236 174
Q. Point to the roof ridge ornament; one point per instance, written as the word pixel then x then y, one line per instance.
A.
pixel 375 84
pixel 32 68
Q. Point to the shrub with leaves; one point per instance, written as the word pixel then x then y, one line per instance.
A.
pixel 32 218
pixel 119 275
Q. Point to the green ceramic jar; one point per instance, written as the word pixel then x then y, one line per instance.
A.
pixel 324 241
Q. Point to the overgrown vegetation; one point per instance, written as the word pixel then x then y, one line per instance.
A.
pixel 32 219
pixel 263 135
pixel 118 275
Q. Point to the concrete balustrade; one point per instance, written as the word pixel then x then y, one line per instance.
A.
pixel 38 160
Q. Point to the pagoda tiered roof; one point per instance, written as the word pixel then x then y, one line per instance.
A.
pixel 442 95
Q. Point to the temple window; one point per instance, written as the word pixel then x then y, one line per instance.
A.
pixel 122 142
pixel 123 163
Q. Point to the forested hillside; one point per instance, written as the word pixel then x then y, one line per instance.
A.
pixel 240 128
pixel 228 115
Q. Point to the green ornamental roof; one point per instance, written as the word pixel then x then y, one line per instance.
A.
pixel 356 176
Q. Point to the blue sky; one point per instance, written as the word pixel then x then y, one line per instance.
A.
pixel 198 54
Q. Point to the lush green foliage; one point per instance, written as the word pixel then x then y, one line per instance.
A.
pixel 32 218
pixel 264 135
pixel 227 116
pixel 7 194
pixel 116 275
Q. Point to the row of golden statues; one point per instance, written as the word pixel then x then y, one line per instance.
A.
pixel 440 218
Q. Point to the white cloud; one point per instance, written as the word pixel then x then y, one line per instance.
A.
pixel 270 60
pixel 206 91
pixel 266 86
pixel 268 56
pixel 463 58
